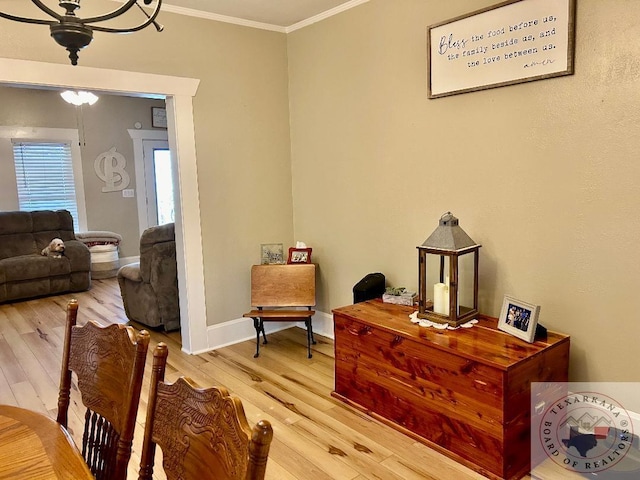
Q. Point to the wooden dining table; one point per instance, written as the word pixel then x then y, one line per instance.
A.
pixel 35 447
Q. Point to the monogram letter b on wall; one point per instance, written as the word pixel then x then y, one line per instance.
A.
pixel 109 167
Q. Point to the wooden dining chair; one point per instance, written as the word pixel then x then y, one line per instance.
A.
pixel 109 366
pixel 203 432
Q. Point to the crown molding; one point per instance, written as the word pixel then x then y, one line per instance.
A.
pixel 324 15
pixel 190 12
pixel 221 18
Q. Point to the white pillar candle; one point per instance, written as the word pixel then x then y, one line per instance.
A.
pixel 447 298
pixel 441 298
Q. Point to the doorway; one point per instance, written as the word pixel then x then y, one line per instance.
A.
pixel 178 93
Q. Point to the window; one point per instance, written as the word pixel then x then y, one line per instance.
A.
pixel 48 170
pixel 44 176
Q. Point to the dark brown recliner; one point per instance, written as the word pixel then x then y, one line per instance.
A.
pixel 149 288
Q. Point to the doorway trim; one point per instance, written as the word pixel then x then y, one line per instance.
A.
pixel 178 93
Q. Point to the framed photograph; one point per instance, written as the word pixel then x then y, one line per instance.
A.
pixel 158 117
pixel 299 255
pixel 271 253
pixel 511 42
pixel 519 318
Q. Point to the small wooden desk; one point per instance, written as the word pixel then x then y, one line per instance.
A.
pixel 277 293
pixel 35 447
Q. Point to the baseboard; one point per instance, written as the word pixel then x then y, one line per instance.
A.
pixel 241 329
pixel 322 324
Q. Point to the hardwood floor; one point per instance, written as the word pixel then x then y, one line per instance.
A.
pixel 316 437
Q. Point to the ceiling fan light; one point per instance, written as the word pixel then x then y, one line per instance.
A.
pixel 88 97
pixel 79 98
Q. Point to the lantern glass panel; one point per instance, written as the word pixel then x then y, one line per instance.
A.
pixel 465 280
pixel 434 273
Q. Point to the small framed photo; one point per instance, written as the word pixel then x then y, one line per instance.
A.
pixel 299 255
pixel 519 318
pixel 158 117
pixel 271 253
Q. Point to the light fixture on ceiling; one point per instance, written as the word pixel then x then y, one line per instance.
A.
pixel 75 33
pixel 79 97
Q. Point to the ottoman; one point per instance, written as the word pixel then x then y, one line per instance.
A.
pixel 103 246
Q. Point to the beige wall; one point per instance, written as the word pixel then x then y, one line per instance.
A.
pixel 241 131
pixel 105 126
pixel 544 174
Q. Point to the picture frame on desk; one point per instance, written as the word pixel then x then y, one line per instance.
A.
pixel 519 318
pixel 299 255
pixel 271 253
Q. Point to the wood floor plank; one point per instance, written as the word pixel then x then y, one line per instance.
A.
pixel 275 471
pixel 550 470
pixel 344 437
pixel 415 472
pixel 295 461
pixel 355 454
pixel 327 369
pixel 443 466
pixel 44 386
pixel 370 428
pixel 4 320
pixel 46 349
pixel 280 375
pixel 15 318
pixel 10 365
pixel 27 397
pixel 249 393
pixel 6 395
pixel 323 349
pixel 302 366
pixel 45 327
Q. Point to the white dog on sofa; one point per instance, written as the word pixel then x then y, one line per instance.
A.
pixel 55 249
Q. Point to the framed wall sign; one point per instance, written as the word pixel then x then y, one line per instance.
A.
pixel 158 117
pixel 512 42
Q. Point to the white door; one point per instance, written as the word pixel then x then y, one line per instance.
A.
pixel 159 182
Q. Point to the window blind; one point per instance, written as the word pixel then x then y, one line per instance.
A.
pixel 44 176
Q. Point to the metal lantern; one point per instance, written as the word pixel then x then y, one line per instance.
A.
pixel 448 244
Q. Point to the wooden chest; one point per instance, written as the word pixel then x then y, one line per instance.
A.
pixel 464 392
